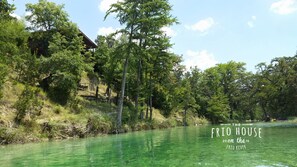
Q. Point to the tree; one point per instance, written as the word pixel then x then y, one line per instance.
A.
pixel 225 85
pixel 218 108
pixel 46 16
pixel 107 59
pixel 213 102
pixel 185 96
pixel 60 44
pixel 64 71
pixel 13 41
pixel 46 19
pixel 168 76
pixel 195 80
pixel 276 85
pixel 127 15
pixel 6 10
pixel 231 76
pixel 136 16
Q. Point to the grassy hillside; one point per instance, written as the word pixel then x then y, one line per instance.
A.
pixel 82 117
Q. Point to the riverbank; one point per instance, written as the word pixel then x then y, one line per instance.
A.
pixel 80 119
pixel 81 125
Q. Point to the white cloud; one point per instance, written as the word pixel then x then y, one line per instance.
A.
pixel 284 7
pixel 169 31
pixel 106 30
pixel 27 24
pixel 15 16
pixel 201 59
pixel 202 25
pixel 251 22
pixel 105 4
pixel 28 13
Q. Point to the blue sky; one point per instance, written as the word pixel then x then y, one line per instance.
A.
pixel 210 31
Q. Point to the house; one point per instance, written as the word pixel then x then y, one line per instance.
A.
pixel 39 42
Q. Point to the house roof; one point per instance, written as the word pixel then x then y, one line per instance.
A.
pixel 88 42
pixel 40 47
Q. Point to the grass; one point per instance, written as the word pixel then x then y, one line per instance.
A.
pixel 293 119
pixel 81 118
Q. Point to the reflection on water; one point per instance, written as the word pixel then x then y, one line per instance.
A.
pixel 191 146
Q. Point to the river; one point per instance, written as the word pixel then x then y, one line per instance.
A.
pixel 183 146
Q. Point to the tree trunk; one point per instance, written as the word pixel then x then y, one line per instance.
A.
pixel 185 117
pixel 122 94
pixel 97 92
pixel 141 112
pixel 137 89
pixel 151 98
pixel 266 115
pixel 151 107
pixel 231 114
pixel 252 116
pixel 147 108
pixel 138 78
pixel 121 98
pixel 108 93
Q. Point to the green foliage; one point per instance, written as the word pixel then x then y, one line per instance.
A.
pixel 13 39
pixel 276 87
pixel 60 43
pixel 64 70
pixel 46 15
pixel 226 86
pixel 3 74
pixel 27 67
pixel 6 9
pixel 27 103
pixel 163 99
pixel 142 22
pixel 97 124
pixel 218 108
pixel 137 67
pixel 67 38
pixel 107 59
pixel 75 105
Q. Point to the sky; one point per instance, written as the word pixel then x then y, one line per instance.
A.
pixel 209 31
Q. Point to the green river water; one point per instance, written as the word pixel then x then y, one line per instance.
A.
pixel 189 146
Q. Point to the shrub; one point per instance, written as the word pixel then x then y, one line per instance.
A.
pixel 27 103
pixel 13 135
pixel 3 73
pixel 97 124
pixel 63 70
pixel 75 105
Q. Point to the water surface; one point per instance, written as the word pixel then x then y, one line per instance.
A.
pixel 190 146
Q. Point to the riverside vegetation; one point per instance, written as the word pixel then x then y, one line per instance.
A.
pixel 53 86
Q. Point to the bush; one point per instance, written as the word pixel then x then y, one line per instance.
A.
pixel 27 66
pixel 12 135
pixel 201 121
pixel 170 122
pixel 27 103
pixel 75 105
pixel 6 137
pixel 64 70
pixel 96 124
pixel 3 73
